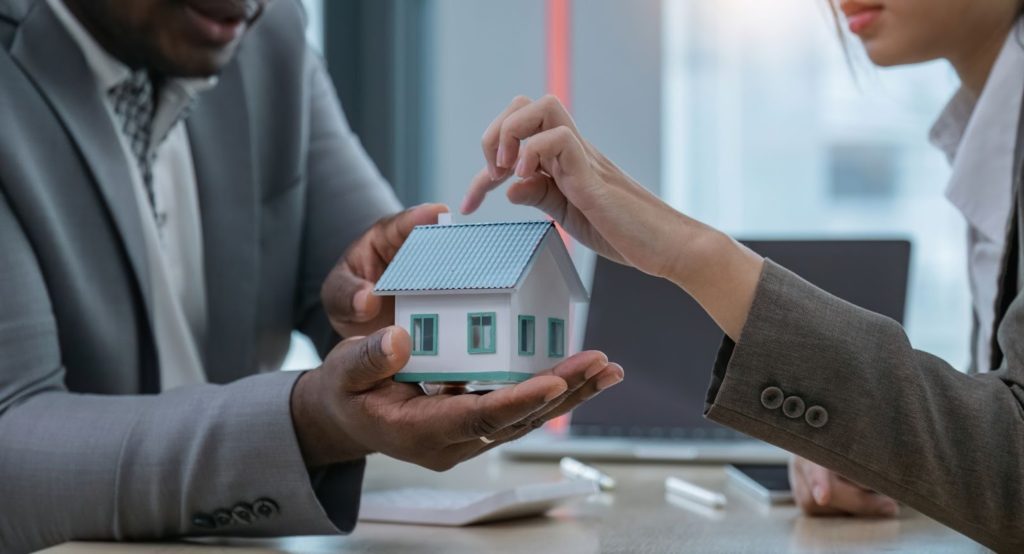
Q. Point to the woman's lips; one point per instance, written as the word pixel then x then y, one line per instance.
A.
pixel 860 16
pixel 861 21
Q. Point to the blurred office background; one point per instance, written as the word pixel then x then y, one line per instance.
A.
pixel 742 113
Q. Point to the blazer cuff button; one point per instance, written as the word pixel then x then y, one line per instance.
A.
pixel 793 407
pixel 771 398
pixel 816 417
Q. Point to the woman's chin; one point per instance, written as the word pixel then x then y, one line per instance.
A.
pixel 886 55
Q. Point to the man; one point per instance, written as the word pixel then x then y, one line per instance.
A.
pixel 178 192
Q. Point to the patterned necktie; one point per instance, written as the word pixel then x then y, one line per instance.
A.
pixel 135 104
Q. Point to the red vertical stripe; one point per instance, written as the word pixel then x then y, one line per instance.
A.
pixel 559 59
pixel 559 50
pixel 559 69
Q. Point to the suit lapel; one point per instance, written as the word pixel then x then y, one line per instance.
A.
pixel 1009 281
pixel 222 153
pixel 50 57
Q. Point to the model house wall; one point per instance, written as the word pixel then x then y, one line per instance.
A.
pixel 452 312
pixel 543 295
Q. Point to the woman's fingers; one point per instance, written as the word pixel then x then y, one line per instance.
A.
pixel 490 141
pixel 820 491
pixel 481 184
pixel 557 152
pixel 541 192
pixel 528 121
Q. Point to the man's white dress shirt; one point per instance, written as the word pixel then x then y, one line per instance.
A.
pixel 978 137
pixel 175 251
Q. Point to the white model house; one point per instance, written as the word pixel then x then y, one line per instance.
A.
pixel 484 303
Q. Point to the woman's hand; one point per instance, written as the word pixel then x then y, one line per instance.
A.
pixel 561 173
pixel 821 492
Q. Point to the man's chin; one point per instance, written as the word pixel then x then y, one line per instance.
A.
pixel 201 64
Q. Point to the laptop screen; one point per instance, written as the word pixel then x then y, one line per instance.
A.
pixel 668 345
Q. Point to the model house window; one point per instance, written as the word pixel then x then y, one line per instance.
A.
pixel 556 338
pixel 527 334
pixel 481 333
pixel 424 335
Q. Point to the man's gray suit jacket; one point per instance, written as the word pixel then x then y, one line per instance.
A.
pixel 86 450
pixel 843 387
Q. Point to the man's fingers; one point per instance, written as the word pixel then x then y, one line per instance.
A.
pixel 348 297
pixel 481 184
pixel 362 363
pixel 473 416
pixel 394 230
pixel 525 123
pixel 489 142
pixel 606 376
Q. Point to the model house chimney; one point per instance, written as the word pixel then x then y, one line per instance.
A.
pixel 444 218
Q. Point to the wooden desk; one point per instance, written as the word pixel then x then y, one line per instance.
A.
pixel 635 518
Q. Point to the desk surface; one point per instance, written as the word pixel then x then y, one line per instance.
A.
pixel 636 517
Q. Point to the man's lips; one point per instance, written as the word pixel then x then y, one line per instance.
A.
pixel 218 32
pixel 226 11
pixel 220 22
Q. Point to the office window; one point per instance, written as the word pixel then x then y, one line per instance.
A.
pixel 556 338
pixel 527 335
pixel 768 134
pixel 482 333
pixel 424 335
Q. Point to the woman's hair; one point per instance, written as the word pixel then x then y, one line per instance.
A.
pixel 837 22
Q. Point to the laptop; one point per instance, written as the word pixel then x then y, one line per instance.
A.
pixel 668 345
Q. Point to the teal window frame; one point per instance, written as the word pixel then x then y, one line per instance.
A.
pixel 552 352
pixel 412 331
pixel 533 330
pixel 469 333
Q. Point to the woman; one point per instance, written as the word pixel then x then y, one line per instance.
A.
pixel 835 384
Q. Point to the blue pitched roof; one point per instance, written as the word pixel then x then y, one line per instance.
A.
pixel 476 256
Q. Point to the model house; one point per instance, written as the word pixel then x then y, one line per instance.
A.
pixel 484 303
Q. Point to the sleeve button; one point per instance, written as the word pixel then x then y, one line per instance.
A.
pixel 793 407
pixel 243 513
pixel 203 521
pixel 222 517
pixel 771 397
pixel 265 507
pixel 816 417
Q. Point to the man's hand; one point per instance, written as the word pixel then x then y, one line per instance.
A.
pixel 819 491
pixel 347 293
pixel 351 407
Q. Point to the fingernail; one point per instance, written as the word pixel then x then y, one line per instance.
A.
pixel 493 172
pixel 521 167
pixel 819 494
pixel 499 160
pixel 386 345
pixel 891 509
pixel 593 370
pixel 359 301
pixel 606 381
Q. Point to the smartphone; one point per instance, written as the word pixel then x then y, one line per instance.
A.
pixel 766 482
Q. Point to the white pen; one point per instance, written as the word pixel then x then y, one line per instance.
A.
pixel 575 469
pixel 692 492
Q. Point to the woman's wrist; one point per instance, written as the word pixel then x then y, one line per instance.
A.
pixel 718 272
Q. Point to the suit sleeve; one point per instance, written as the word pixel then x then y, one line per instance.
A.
pixel 346 195
pixel 844 388
pixel 202 460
